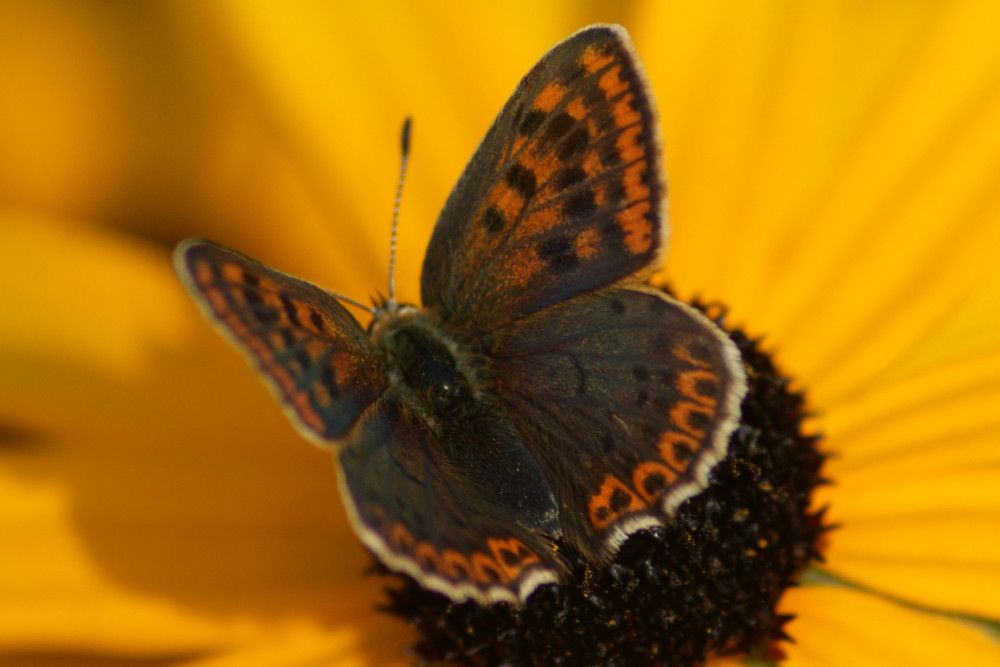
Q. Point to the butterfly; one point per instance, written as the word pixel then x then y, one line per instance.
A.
pixel 544 396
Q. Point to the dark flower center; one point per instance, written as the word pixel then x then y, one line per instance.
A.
pixel 707 583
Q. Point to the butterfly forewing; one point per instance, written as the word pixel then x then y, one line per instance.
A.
pixel 563 195
pixel 313 353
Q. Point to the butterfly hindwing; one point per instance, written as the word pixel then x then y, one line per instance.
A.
pixel 627 398
pixel 563 196
pixel 426 514
pixel 313 353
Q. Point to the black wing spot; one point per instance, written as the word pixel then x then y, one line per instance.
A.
pixel 705 386
pixel 619 501
pixel 700 421
pixel 558 253
pixel 654 483
pixel 522 179
pixel 252 296
pixel 569 176
pixel 640 373
pixel 683 452
pixel 559 126
pixel 305 361
pixel 580 204
pixel 251 279
pixel 574 143
pixel 493 220
pixel 610 155
pixel 329 379
pixel 290 312
pixel 531 122
pixel 617 305
pixel 267 315
pixel 616 191
pixel 316 319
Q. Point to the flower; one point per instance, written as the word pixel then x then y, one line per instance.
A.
pixel 834 179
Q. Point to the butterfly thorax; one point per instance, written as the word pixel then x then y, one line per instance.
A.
pixel 429 368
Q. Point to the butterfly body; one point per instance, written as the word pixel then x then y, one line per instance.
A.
pixel 543 396
pixel 438 378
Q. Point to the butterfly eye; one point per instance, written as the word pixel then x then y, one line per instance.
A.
pixel 451 390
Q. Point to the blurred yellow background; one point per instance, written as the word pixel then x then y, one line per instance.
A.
pixel 835 178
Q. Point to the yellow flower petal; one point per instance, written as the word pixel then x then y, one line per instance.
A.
pixel 916 487
pixel 922 529
pixel 838 626
pixel 307 646
pixel 823 186
pixel 175 509
pixel 63 108
pixel 84 296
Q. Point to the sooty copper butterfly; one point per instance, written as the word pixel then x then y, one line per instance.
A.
pixel 543 394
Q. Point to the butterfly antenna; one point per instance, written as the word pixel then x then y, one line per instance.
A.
pixel 404 141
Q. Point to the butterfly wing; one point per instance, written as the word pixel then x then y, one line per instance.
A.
pixel 422 513
pixel 312 352
pixel 564 195
pixel 626 398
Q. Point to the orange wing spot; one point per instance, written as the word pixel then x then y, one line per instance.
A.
pixel 512 555
pixel 203 273
pixel 268 285
pixel 577 108
pixel 303 313
pixel 612 502
pixel 668 452
pixel 650 478
pixel 539 221
pixel 681 413
pixel 455 565
pixel 551 95
pixel 517 144
pixel 427 557
pixel 587 243
pixel 525 266
pixel 321 394
pixel 611 82
pixel 594 59
pixel 542 165
pixel 315 347
pixel 401 538
pixel 592 164
pixel 506 200
pixel 217 300
pixel 232 272
pixel 629 150
pixel 600 195
pixel 638 230
pixel 681 352
pixel 344 366
pixel 688 385
pixel 303 406
pixel 632 180
pixel 485 570
pixel 624 113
